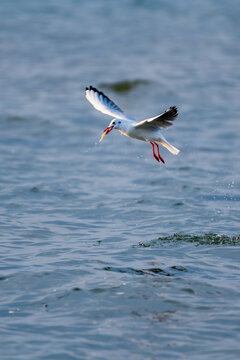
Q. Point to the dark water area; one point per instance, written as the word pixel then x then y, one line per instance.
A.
pixel 104 252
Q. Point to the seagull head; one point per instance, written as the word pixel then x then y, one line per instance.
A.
pixel 114 124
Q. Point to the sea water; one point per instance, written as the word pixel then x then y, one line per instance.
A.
pixel 104 252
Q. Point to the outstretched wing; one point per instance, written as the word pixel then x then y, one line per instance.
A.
pixel 102 103
pixel 162 121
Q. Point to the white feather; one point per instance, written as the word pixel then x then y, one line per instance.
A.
pixel 103 104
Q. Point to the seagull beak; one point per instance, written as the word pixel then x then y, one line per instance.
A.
pixel 106 131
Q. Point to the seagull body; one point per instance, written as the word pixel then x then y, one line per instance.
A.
pixel 147 130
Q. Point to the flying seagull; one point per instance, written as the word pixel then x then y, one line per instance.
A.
pixel 146 130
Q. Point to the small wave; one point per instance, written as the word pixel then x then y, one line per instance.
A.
pixel 151 271
pixel 206 239
pixel 221 198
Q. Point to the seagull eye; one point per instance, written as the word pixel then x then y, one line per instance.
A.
pixel 119 122
pixel 113 123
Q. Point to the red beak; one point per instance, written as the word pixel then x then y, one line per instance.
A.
pixel 106 131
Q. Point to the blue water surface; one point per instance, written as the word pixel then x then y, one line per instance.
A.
pixel 104 252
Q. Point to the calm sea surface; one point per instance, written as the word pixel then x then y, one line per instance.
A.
pixel 104 252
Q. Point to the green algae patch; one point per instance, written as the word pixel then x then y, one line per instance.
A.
pixel 125 85
pixel 206 239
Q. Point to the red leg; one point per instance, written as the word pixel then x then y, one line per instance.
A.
pixel 159 156
pixel 154 155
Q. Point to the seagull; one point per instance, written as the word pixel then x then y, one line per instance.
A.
pixel 146 130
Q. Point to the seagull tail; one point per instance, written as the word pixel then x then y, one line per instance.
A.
pixel 170 147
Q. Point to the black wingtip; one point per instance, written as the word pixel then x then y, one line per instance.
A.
pixel 90 88
pixel 103 98
pixel 174 110
pixel 94 89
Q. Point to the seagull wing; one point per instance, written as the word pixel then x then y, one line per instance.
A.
pixel 102 103
pixel 161 121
